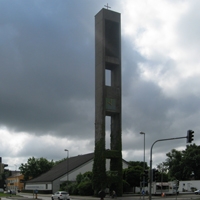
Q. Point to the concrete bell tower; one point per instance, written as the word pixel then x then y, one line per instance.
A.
pixel 108 100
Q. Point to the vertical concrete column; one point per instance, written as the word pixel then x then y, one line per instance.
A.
pixel 108 97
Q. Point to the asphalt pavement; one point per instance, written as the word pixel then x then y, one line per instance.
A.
pixel 24 196
pixel 48 197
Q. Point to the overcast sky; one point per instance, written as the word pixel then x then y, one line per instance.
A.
pixel 47 79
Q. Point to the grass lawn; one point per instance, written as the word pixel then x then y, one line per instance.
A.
pixel 5 194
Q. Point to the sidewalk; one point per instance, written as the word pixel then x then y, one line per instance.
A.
pixel 25 196
pixel 40 197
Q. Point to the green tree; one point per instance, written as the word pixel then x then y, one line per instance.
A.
pixel 132 175
pixel 182 164
pixel 175 165
pixel 82 186
pixel 191 160
pixel 138 163
pixel 35 167
pixel 163 172
pixel 85 188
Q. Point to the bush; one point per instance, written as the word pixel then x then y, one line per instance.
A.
pixel 126 186
pixel 85 188
pixel 63 186
pixel 72 189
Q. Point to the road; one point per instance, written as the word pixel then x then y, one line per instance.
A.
pixel 135 197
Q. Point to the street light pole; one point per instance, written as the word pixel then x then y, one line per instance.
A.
pixel 143 185
pixel 16 178
pixel 67 164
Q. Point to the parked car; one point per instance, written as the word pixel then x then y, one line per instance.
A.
pixel 197 192
pixel 11 192
pixel 59 195
pixel 1 190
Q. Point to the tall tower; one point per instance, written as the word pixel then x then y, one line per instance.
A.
pixel 108 100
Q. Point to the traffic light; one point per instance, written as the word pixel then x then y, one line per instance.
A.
pixel 155 175
pixel 190 135
pixel 146 177
pixel 141 177
pixel 146 174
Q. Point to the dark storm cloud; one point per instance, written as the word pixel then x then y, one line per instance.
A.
pixel 47 78
pixel 47 66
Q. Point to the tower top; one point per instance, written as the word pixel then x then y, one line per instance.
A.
pixel 107 6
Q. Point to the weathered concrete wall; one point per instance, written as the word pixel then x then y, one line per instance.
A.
pixel 108 97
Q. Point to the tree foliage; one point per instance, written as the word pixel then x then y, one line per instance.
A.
pixel 132 175
pixel 162 172
pixel 138 163
pixel 82 186
pixel 182 164
pixel 99 167
pixel 191 160
pixel 35 167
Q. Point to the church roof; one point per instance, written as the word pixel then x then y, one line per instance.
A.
pixel 62 168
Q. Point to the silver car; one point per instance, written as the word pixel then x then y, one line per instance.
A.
pixel 197 192
pixel 59 195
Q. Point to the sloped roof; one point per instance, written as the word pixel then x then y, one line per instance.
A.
pixel 62 168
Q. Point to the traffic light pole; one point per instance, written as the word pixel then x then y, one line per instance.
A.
pixel 150 175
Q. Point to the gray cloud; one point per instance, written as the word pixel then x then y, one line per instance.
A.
pixel 49 77
pixel 47 81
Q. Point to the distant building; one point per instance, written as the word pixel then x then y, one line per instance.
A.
pixel 15 182
pixel 50 181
